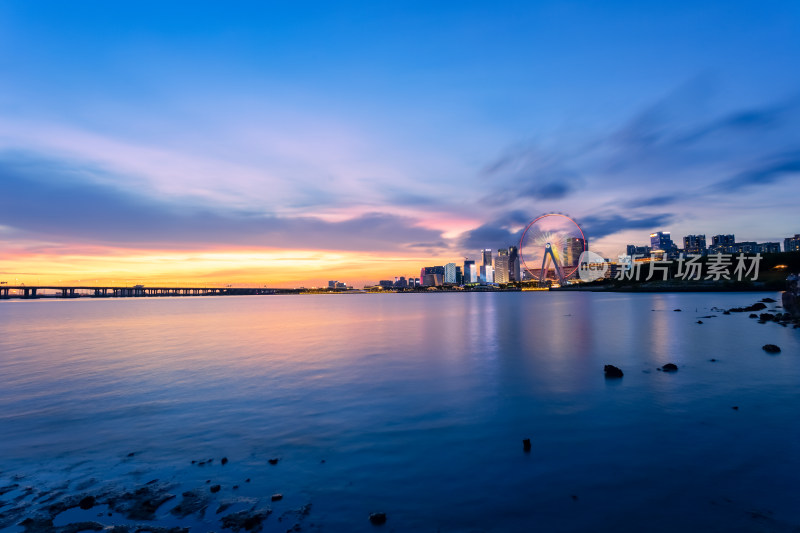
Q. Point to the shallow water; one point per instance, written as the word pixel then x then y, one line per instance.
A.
pixel 416 403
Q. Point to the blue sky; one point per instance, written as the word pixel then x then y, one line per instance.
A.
pixel 409 129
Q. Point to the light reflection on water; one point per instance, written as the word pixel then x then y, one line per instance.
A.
pixel 418 404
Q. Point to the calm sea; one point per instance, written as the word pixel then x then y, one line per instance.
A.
pixel 410 404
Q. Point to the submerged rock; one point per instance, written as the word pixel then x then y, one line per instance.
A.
pixel 768 300
pixel 87 503
pixel 140 504
pixel 699 321
pixel 273 461
pixel 677 310
pixel 193 502
pixel 669 367
pixel 612 372
pixel 215 488
pixel 246 520
pixel 224 460
pixel 276 497
pixel 377 518
pixel 771 348
pixel 526 445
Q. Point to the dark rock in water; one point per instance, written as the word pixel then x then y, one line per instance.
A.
pixel 8 488
pixel 669 367
pixel 713 360
pixel 771 348
pixel 194 502
pixel 37 525
pixel 726 312
pixel 224 460
pixel 235 487
pixel 612 372
pixel 131 454
pixel 574 497
pixel 677 310
pixel 215 488
pixel 753 315
pixel 224 506
pixel 87 503
pixel 768 300
pixel 140 504
pixel 276 497
pixel 245 520
pixel 273 461
pixel 758 306
pixel 377 518
pixel 699 321
pixel 526 445
pixel 765 317
pixel 247 480
pixel 735 407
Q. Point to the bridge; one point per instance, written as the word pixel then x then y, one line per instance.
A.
pixel 137 291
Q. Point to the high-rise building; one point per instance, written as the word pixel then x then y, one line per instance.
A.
pixel 501 267
pixel 661 241
pixel 573 250
pixel 487 257
pixel 694 244
pixel 470 272
pixel 641 251
pixel 450 273
pixel 769 248
pixel 459 276
pixel 792 244
pixel 487 274
pixel 722 244
pixel 513 264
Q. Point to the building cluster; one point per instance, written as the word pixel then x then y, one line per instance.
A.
pixel 661 244
pixel 500 269
pixel 334 284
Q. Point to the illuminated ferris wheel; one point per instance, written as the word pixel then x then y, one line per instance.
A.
pixel 551 246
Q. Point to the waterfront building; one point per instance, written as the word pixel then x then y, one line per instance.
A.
pixel 501 267
pixel 514 273
pixel 487 257
pixel 459 276
pixel 694 244
pixel 769 248
pixel 470 273
pixel 386 283
pixel 641 251
pixel 450 273
pixel 792 244
pixel 722 244
pixel 661 242
pixel 332 284
pixel 573 250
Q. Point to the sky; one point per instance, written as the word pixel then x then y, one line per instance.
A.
pixel 287 144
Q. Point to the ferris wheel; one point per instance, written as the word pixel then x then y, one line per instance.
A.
pixel 552 239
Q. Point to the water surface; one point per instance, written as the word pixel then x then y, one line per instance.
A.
pixel 412 404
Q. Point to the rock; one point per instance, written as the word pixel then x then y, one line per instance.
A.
pixel 140 504
pixel 574 497
pixel 771 348
pixel 224 460
pixel 247 520
pixel 276 497
pixel 273 461
pixel 377 518
pixel 215 488
pixel 669 367
pixel 726 312
pixel 768 300
pixel 247 480
pixel 677 310
pixel 753 315
pixel 131 454
pixel 194 502
pixel 699 321
pixel 765 317
pixel 612 372
pixel 713 360
pixel 526 445
pixel 735 407
pixel 87 503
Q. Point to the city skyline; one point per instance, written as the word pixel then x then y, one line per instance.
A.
pixel 279 145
